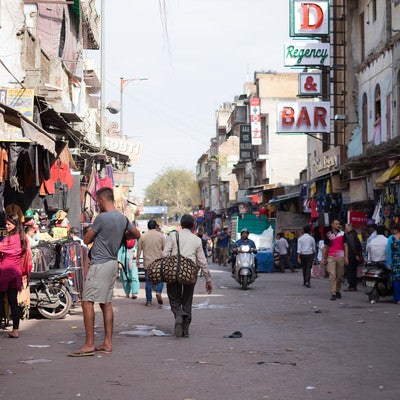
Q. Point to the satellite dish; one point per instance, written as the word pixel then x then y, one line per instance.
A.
pixel 114 107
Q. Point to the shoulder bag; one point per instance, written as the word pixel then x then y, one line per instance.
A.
pixel 173 269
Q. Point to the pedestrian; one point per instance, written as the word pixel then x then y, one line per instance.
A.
pixel 128 271
pixel 354 257
pixel 306 250
pixel 152 244
pixel 222 244
pixel 15 262
pixel 106 233
pixel 393 261
pixel 181 295
pixel 283 249
pixel 377 247
pixel 335 256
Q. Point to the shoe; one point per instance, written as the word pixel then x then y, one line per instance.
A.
pixel 159 298
pixel 134 297
pixel 148 303
pixel 307 284
pixel 338 295
pixel 179 326
pixel 333 297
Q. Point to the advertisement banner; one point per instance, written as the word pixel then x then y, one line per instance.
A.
pixel 124 146
pixel 255 119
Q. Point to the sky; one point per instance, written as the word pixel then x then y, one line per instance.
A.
pixel 196 54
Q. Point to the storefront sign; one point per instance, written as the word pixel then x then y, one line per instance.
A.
pixel 298 54
pixel 255 119
pixel 310 84
pixel 245 147
pixel 303 117
pixel 132 149
pixel 357 218
pixel 309 18
pixel 124 179
pixel 325 163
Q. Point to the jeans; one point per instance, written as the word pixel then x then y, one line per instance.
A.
pixel 149 288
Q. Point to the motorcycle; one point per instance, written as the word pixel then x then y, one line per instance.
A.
pixel 376 278
pixel 51 293
pixel 244 271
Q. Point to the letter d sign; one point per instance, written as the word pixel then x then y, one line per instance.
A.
pixel 309 18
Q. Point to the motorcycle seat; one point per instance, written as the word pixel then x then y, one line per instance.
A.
pixel 46 274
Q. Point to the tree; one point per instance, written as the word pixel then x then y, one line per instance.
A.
pixel 175 188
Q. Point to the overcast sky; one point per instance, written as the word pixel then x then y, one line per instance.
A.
pixel 196 54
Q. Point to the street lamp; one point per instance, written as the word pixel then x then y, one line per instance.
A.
pixel 123 83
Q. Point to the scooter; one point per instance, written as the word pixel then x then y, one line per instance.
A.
pixel 51 293
pixel 376 278
pixel 244 271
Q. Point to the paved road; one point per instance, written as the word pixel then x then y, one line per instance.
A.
pixel 296 344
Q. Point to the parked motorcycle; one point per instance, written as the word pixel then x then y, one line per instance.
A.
pixel 50 293
pixel 245 269
pixel 378 282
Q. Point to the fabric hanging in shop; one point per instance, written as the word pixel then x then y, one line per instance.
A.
pixel 36 136
pixel 389 174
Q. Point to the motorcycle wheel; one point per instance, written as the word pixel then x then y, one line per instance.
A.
pixel 373 297
pixel 65 303
pixel 245 283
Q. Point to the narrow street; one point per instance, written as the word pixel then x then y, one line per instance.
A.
pixel 296 344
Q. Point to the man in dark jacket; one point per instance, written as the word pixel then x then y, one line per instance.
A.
pixel 355 257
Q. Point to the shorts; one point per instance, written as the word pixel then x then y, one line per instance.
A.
pixel 99 283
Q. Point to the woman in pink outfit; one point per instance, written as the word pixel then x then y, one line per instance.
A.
pixel 13 250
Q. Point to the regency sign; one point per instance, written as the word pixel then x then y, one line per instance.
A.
pixel 309 18
pixel 299 53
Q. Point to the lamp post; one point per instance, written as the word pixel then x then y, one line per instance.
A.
pixel 123 84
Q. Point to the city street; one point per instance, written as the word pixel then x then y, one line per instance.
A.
pixel 296 344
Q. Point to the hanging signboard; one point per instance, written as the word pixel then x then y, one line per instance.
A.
pixel 309 18
pixel 255 119
pixel 132 149
pixel 310 84
pixel 300 53
pixel 303 117
pixel 245 147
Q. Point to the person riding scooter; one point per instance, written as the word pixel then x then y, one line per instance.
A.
pixel 244 240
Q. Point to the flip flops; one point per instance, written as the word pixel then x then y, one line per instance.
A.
pixel 102 351
pixel 80 353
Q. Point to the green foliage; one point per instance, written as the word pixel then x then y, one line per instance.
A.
pixel 175 188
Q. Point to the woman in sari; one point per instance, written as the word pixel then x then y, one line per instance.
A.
pixel 15 261
pixel 128 271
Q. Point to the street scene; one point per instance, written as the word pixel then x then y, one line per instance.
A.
pixel 295 343
pixel 199 199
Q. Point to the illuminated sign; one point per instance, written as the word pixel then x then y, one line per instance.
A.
pixel 303 117
pixel 309 18
pixel 299 53
pixel 310 84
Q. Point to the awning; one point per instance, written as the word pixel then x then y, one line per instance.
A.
pixel 30 130
pixel 389 174
pixel 284 197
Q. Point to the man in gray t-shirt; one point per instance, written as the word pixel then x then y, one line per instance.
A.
pixel 106 233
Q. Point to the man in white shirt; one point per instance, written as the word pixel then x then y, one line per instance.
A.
pixel 377 247
pixel 306 250
pixel 283 248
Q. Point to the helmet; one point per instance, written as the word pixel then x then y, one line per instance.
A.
pixel 244 230
pixel 29 213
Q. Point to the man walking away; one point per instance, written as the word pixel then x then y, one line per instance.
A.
pixel 306 250
pixel 152 244
pixel 283 248
pixel 223 242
